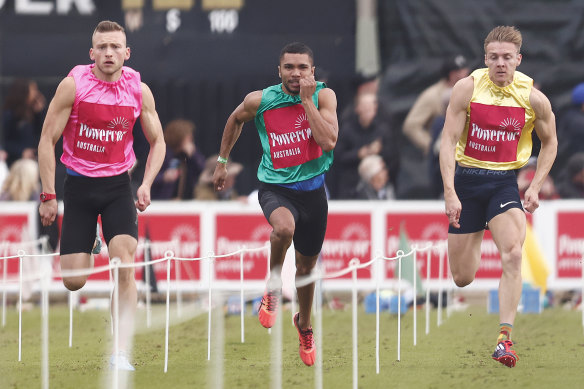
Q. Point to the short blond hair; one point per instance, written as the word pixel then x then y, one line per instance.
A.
pixel 505 34
pixel 22 183
pixel 107 26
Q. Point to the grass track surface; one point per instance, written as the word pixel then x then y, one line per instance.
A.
pixel 455 355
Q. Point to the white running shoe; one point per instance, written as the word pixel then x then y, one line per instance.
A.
pixel 120 362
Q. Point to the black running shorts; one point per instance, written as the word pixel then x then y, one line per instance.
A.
pixel 310 211
pixel 483 194
pixel 87 197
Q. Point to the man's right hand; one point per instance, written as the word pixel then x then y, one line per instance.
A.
pixel 219 176
pixel 48 211
pixel 452 209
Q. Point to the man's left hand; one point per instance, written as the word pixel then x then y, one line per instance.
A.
pixel 143 195
pixel 531 200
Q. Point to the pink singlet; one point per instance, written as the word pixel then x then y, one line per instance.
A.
pixel 97 140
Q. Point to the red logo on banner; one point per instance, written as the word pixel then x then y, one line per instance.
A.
pixel 494 132
pixel 13 229
pixel 423 230
pixel 570 244
pixel 233 233
pixel 179 233
pixel 290 137
pixel 102 132
pixel 348 236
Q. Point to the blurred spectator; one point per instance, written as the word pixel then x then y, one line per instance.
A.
pixel 570 183
pixel 22 119
pixel 182 165
pixel 364 84
pixel 362 134
pixel 374 180
pixel 22 183
pixel 3 167
pixel 525 176
pixel 431 103
pixel 422 127
pixel 205 189
pixel 570 131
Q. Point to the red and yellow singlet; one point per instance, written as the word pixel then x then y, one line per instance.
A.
pixel 499 122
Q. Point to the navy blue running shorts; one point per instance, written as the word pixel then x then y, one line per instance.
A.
pixel 483 194
pixel 310 211
pixel 87 197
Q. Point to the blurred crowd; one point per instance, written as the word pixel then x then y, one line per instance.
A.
pixel 375 158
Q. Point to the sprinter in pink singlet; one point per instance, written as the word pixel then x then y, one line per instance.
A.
pixel 94 109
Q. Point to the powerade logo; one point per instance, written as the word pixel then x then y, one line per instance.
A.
pixel 290 137
pixel 259 237
pixel 494 132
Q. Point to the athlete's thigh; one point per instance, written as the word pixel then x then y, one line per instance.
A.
pixel 311 227
pixel 119 215
pixel 472 192
pixel 75 261
pixel 508 229
pixel 277 208
pixel 79 218
pixel 282 217
pixel 464 252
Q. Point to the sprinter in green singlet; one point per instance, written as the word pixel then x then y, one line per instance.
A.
pixel 298 128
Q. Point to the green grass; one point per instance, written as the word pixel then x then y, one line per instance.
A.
pixel 454 355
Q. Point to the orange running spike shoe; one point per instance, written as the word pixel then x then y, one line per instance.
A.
pixel 307 349
pixel 268 310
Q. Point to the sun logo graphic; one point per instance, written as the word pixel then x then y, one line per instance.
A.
pixel 301 121
pixel 355 231
pixel 510 124
pixel 119 123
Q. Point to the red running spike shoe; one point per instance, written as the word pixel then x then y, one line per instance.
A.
pixel 307 349
pixel 268 310
pixel 504 354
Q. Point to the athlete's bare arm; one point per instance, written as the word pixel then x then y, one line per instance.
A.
pixel 244 112
pixel 453 128
pixel 53 127
pixel 545 127
pixel 323 121
pixel 153 132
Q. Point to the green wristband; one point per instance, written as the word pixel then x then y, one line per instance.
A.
pixel 220 159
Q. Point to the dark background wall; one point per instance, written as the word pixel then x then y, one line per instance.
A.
pixel 201 72
pixel 415 35
pixel 198 71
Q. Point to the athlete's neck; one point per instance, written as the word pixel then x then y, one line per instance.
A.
pixel 106 77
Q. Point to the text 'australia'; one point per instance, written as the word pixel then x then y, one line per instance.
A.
pixel 90 147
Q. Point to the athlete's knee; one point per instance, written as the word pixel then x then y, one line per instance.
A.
pixel 282 234
pixel 462 277
pixel 126 276
pixel 74 283
pixel 304 267
pixel 511 260
pixel 462 280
